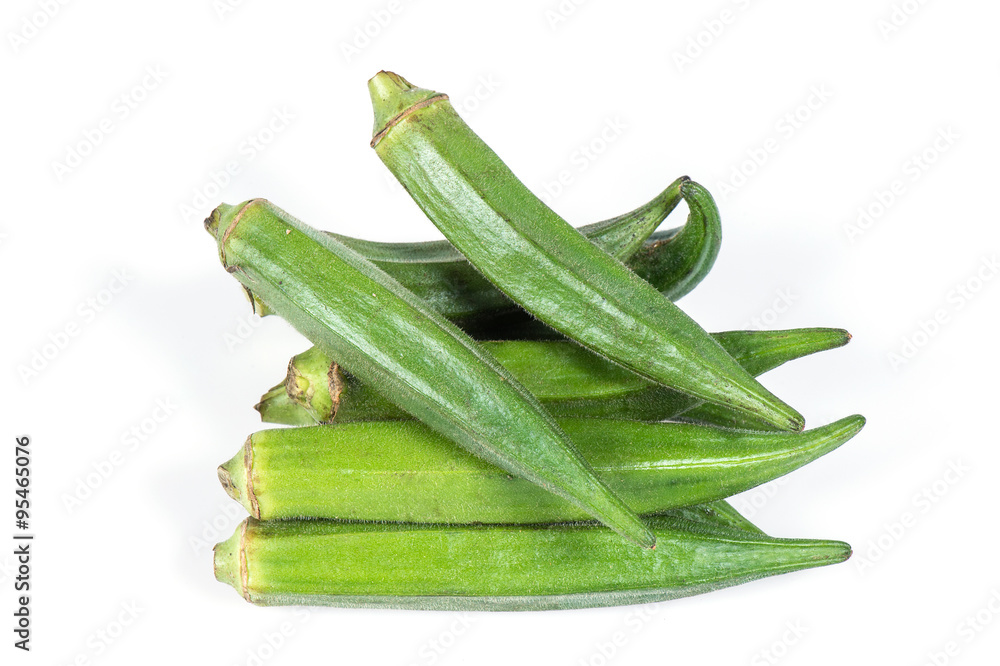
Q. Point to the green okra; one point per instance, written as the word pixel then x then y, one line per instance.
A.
pixel 673 262
pixel 401 471
pixel 436 272
pixel 693 250
pixel 391 339
pixel 510 568
pixel 756 351
pixel 542 263
pixel 567 378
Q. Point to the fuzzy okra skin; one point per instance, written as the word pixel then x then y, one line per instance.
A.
pixel 567 378
pixel 508 568
pixel 389 338
pixel 401 471
pixel 542 263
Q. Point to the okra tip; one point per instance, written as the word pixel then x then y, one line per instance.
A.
pixel 836 337
pixel 393 97
pixel 227 560
pixel 212 221
pixel 233 477
pixel 782 416
pixel 833 552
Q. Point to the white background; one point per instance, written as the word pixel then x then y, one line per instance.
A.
pixel 537 85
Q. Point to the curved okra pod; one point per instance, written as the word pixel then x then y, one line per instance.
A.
pixel 401 471
pixel 621 237
pixel 693 249
pixel 672 261
pixel 542 263
pixel 391 339
pixel 567 378
pixel 512 568
pixel 438 273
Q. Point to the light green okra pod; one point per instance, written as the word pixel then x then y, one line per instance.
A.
pixel 401 471
pixel 388 337
pixel 568 379
pixel 509 568
pixel 542 263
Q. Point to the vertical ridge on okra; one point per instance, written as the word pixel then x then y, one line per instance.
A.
pixel 391 339
pixel 541 262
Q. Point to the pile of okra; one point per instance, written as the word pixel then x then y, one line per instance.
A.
pixel 515 418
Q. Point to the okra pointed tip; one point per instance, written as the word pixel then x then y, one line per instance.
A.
pixel 838 337
pixel 226 560
pixel 853 424
pixel 820 441
pixel 820 552
pixel 838 551
pixel 793 421
pixel 840 431
pixel 630 526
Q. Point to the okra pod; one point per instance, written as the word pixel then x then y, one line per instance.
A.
pixel 509 568
pixel 545 265
pixel 567 378
pixel 401 471
pixel 692 251
pixel 389 338
pixel 436 272
pixel 674 261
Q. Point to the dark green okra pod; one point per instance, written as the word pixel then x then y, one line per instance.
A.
pixel 542 263
pixel 673 262
pixel 436 272
pixel 510 568
pixel 388 337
